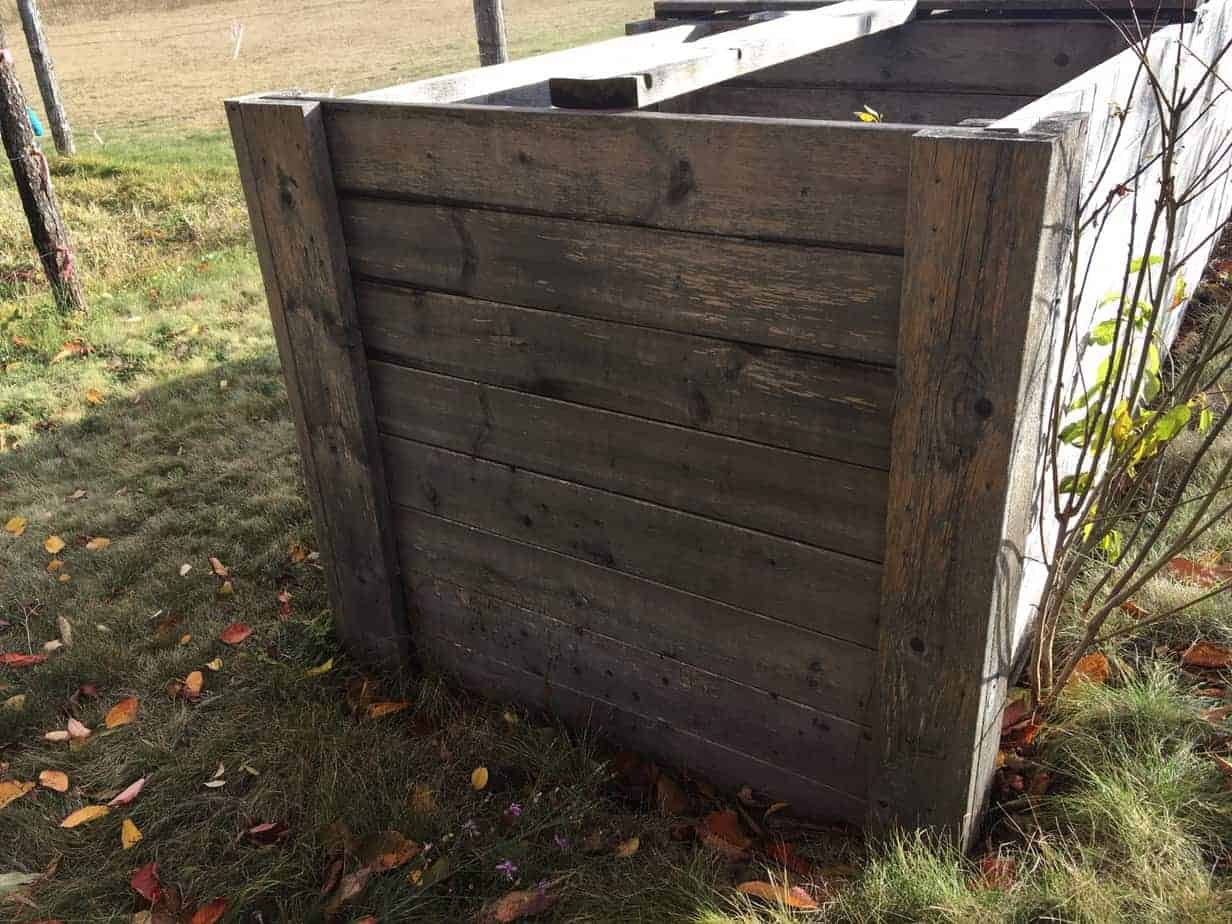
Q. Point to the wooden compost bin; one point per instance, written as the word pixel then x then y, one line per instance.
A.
pixel 713 427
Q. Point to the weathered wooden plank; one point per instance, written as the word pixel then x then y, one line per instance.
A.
pixel 829 302
pixel 990 216
pixel 800 584
pixel 781 731
pixel 821 671
pixel 828 504
pixel 812 404
pixel 490 30
pixel 898 106
pixel 802 181
pixel 723 765
pixel 284 165
pixel 703 8
pixel 713 59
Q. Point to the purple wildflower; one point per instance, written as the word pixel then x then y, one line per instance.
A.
pixel 508 868
pixel 561 841
pixel 514 810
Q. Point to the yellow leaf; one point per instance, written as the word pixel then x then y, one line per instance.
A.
pixel 65 578
pixel 54 779
pixel 215 665
pixel 865 117
pixel 628 848
pixel 193 683
pixel 15 526
pixel 97 544
pixel 121 713
pixel 94 396
pixel 16 703
pixel 12 789
pixel 53 544
pixel 55 564
pixel 225 589
pixel 320 669
pixel 479 778
pixel 130 834
pixel 84 815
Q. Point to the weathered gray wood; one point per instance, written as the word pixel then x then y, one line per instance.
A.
pixel 803 585
pixel 490 29
pixel 821 671
pixel 897 106
pixel 723 765
pixel 828 302
pixel 812 404
pixel 45 74
pixel 684 8
pixel 815 744
pixel 285 169
pixel 989 218
pixel 801 181
pixel 726 56
pixel 828 504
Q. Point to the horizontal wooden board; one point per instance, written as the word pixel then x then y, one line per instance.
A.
pixel 723 765
pixel 903 106
pixel 829 674
pixel 821 590
pixel 830 302
pixel 1145 8
pixel 825 407
pixel 779 730
pixel 776 179
pixel 829 504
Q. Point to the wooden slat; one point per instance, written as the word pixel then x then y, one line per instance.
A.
pixel 899 106
pixel 990 218
pixel 800 181
pixel 828 504
pixel 685 8
pixel 707 61
pixel 818 670
pixel 781 731
pixel 824 407
pixel 285 168
pixel 724 765
pixel 808 587
pixel 834 303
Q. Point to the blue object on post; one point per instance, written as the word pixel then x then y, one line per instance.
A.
pixel 35 122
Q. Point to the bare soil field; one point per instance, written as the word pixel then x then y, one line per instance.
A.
pixel 140 64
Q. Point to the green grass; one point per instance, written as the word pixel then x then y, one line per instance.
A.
pixel 174 423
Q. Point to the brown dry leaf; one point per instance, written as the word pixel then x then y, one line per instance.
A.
pixel 669 797
pixel 784 854
pixel 192 685
pixel 628 848
pixel 84 815
pixel 94 396
pixel 1091 668
pixel 215 665
pixel 130 834
pixel 121 713
pixel 58 735
pixel 269 832
pixel 13 789
pixel 517 905
pixel 1207 655
pixel 297 553
pixel 16 703
pixel 284 604
pixel 388 850
pixel 479 778
pixel 211 913
pixel 422 801
pixel 1202 573
pixel 15 526
pixel 98 543
pixel 235 633
pixel 69 349
pixel 792 897
pixel 54 779
pixel 53 544
pixel 129 793
pixel 66 631
pixel 64 578
pixel 219 569
pixel 721 831
pixel 998 872
pixel 348 888
pixel 1216 715
pixel 55 565
pixel 77 730
pixel 381 710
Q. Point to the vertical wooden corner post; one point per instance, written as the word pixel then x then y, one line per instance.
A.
pixel 45 73
pixel 988 222
pixel 288 182
pixel 490 28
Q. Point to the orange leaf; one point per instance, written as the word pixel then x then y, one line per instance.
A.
pixel 517 905
pixel 12 789
pixel 235 633
pixel 83 815
pixel 380 710
pixel 998 872
pixel 479 778
pixel 219 569
pixel 1093 668
pixel 16 659
pixel 208 914
pixel 1207 654
pixel 1217 714
pixel 721 831
pixel 54 779
pixel 793 897
pixel 53 544
pixel 388 850
pixel 121 713
pixel 192 685
pixel 1197 572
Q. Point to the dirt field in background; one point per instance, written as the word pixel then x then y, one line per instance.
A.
pixel 163 62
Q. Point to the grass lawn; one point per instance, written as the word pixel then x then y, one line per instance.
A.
pixel 159 422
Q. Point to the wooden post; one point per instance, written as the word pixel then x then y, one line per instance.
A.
pixel 45 72
pixel 288 182
pixel 33 179
pixel 987 225
pixel 490 25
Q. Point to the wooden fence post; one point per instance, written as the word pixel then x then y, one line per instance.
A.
pixel 988 221
pixel 490 25
pixel 33 178
pixel 288 182
pixel 45 73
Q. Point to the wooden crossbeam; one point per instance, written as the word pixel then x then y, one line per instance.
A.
pixel 681 9
pixel 717 58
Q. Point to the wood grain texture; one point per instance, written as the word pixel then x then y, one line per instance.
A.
pixel 681 8
pixel 829 302
pixel 775 179
pixel 800 584
pixel 45 74
pixel 724 765
pixel 989 218
pixel 490 31
pixel 821 671
pixel 284 165
pixel 773 728
pixel 812 404
pixel 831 505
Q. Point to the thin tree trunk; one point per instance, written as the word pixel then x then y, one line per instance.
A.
pixel 490 25
pixel 45 72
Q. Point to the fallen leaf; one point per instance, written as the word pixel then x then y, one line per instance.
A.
pixel 66 631
pixel 998 872
pixel 517 905
pixel 209 914
pixel 11 882
pixel 1217 714
pixel 380 710
pixel 192 685
pixel 130 834
pixel 79 494
pixel 64 578
pixel 298 553
pixel 628 848
pixel 1207 655
pixel 129 794
pixel 54 779
pixel 55 565
pixel 669 797
pixel 70 348
pixel 784 854
pixel 53 544
pixel 1197 572
pixel 94 396
pixel 219 569
pixel 348 888
pixel 284 605
pixel 98 543
pixel 58 735
pixel 144 882
pixel 422 800
pixel 15 526
pixel 226 589
pixel 84 815
pixel 387 850
pixel 121 713
pixel 235 633
pixel 16 702
pixel 1092 668
pixel 479 778
pixel 320 669
pixel 185 639
pixel 53 646
pixel 16 659
pixel 13 789
pixel 77 730
pixel 721 831
pixel 184 569
pixel 269 832
pixel 792 897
